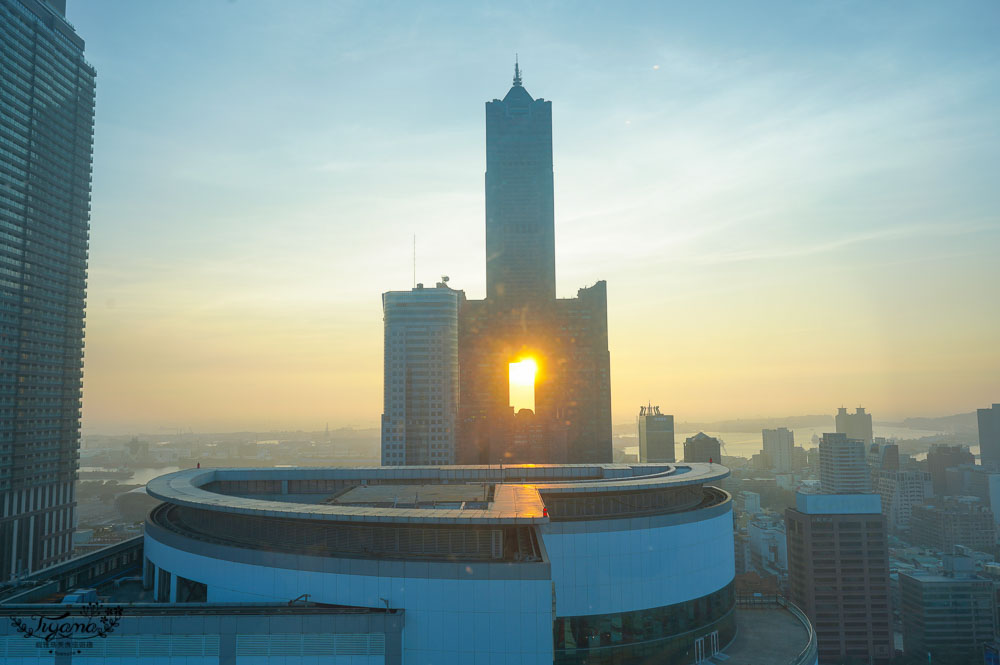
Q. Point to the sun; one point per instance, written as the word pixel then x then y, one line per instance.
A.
pixel 522 373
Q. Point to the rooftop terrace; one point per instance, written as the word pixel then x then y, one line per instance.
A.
pixel 412 494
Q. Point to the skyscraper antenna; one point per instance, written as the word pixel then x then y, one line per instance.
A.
pixel 517 71
pixel 414 260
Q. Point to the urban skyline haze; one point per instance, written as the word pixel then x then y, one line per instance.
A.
pixel 789 218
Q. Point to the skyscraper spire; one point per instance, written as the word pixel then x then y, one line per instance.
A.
pixel 517 72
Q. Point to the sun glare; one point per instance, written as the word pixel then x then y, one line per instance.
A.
pixel 522 373
pixel 522 384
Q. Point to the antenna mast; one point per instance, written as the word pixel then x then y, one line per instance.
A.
pixel 414 260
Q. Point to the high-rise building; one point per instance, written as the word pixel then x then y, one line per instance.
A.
pixel 46 145
pixel 901 491
pixel 843 467
pixel 420 392
pixel 702 448
pixel 800 458
pixel 656 435
pixel 857 425
pixel 947 617
pixel 883 454
pixel 977 481
pixel 522 318
pixel 779 445
pixel 838 573
pixel 520 204
pixel 940 458
pixel 989 436
pixel 951 521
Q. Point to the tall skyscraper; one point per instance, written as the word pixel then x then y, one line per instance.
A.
pixel 656 435
pixel 520 208
pixel 778 446
pixel 522 318
pixel 420 391
pixel 838 573
pixel 46 145
pixel 857 425
pixel 989 436
pixel 843 467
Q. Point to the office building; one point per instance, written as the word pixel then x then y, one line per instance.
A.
pixel 838 573
pixel 420 391
pixel 749 502
pixel 521 317
pixel 946 522
pixel 499 565
pixel 982 482
pixel 989 436
pixel 702 448
pixel 768 546
pixel 843 467
pixel 800 458
pixel 883 454
pixel 46 144
pixel 779 446
pixel 947 617
pixel 901 491
pixel 656 435
pixel 941 457
pixel 857 425
pixel 520 203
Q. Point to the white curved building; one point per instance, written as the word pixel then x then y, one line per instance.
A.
pixel 565 564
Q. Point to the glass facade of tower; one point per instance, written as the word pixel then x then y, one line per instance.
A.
pixel 46 148
pixel 521 317
pixel 520 212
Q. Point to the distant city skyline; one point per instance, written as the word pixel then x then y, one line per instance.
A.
pixel 793 218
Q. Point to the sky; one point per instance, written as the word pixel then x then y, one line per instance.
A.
pixel 796 206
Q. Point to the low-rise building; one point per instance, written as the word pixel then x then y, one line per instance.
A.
pixel 944 523
pixel 947 616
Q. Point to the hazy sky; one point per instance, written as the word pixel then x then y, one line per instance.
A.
pixel 796 205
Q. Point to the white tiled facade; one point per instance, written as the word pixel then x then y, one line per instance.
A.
pixel 778 446
pixel 843 465
pixel 420 392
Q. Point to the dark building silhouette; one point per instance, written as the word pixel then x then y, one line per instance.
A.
pixel 989 436
pixel 702 448
pixel 838 573
pixel 46 143
pixel 857 425
pixel 940 458
pixel 520 208
pixel 521 316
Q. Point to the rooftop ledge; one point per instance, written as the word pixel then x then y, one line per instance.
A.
pixel 516 498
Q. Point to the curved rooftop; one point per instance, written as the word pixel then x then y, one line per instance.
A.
pixel 516 494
